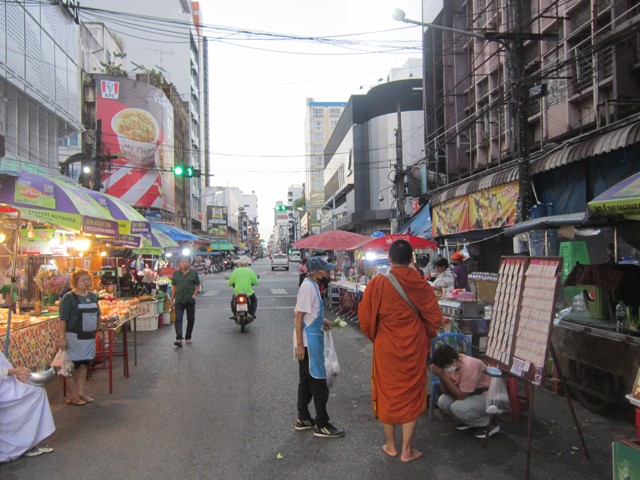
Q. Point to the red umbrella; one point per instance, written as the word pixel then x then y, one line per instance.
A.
pixel 333 240
pixel 386 241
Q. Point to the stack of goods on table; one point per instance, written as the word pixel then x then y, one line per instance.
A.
pixel 19 320
pixel 115 311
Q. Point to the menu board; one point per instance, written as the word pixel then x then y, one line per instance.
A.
pixel 522 315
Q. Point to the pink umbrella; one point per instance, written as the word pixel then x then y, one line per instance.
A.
pixel 333 240
pixel 386 241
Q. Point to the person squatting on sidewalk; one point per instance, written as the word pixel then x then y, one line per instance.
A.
pixel 464 385
pixel 308 344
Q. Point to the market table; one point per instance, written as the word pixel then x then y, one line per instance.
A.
pixel 106 340
pixel 33 345
pixel 350 296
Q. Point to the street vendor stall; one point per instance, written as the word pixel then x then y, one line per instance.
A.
pixel 600 362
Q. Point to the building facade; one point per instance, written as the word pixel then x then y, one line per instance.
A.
pixel 321 119
pixel 361 164
pixel 525 116
pixel 39 83
pixel 179 62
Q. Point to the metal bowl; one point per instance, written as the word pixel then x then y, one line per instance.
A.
pixel 40 376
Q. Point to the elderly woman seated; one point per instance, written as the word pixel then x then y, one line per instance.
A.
pixel 25 415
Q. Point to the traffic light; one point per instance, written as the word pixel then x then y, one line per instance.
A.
pixel 186 171
pixel 281 208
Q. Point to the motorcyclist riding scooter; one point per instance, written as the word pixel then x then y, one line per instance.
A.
pixel 243 279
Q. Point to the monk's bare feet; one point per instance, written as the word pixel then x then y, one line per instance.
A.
pixel 391 451
pixel 411 455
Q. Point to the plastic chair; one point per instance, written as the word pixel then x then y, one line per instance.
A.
pixel 462 344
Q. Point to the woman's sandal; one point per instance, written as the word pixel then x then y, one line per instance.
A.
pixel 85 398
pixel 76 402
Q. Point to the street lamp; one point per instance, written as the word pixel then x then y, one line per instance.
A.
pixel 513 43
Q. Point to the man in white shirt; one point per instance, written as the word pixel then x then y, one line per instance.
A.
pixel 308 343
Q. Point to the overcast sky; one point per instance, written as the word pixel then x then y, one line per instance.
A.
pixel 258 88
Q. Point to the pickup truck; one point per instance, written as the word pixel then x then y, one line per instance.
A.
pixel 279 260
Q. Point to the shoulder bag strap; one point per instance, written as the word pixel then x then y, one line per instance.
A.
pixel 398 287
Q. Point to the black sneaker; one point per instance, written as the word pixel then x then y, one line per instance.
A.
pixel 463 426
pixel 488 431
pixel 328 431
pixel 304 424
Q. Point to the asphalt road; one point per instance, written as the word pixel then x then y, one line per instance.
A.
pixel 223 408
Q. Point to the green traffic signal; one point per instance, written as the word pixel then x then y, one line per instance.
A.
pixel 186 171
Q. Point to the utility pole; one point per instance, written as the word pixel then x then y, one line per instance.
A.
pixel 519 106
pixel 399 177
pixel 96 160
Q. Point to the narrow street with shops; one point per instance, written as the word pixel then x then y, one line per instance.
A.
pixel 223 408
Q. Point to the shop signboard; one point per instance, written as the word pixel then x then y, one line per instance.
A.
pixel 153 216
pixel 217 221
pixel 137 126
pixel 493 207
pixel 451 216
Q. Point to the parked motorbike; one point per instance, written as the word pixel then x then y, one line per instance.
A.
pixel 242 317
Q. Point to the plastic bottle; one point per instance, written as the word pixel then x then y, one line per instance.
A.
pixel 621 317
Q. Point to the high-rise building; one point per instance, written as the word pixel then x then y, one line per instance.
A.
pixel 39 83
pixel 181 62
pixel 321 119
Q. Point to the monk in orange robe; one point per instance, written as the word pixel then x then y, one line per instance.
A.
pixel 401 341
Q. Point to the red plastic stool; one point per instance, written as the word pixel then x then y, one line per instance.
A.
pixel 518 403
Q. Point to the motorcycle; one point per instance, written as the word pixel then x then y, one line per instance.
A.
pixel 242 316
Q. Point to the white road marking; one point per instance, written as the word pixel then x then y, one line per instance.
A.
pixel 210 293
pixel 278 291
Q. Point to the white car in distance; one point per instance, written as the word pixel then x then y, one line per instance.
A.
pixel 279 260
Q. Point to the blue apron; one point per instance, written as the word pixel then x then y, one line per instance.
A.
pixel 315 340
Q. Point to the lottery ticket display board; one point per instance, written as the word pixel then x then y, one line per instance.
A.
pixel 522 315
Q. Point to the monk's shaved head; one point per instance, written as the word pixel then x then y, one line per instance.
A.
pixel 400 252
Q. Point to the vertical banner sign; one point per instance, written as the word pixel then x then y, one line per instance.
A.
pixel 493 207
pixel 451 216
pixel 137 125
pixel 217 221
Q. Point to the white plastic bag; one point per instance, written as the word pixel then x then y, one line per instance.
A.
pixel 497 397
pixel 331 364
pixel 63 364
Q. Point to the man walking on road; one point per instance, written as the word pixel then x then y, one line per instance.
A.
pixel 400 315
pixel 185 285
pixel 308 342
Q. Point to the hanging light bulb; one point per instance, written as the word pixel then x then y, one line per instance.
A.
pixel 81 243
pixel 3 237
pixel 30 233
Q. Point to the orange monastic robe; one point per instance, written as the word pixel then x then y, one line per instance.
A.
pixel 401 342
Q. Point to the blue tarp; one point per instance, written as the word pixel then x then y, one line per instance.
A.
pixel 420 224
pixel 175 233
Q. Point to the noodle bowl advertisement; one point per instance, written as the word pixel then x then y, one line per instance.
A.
pixel 137 126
